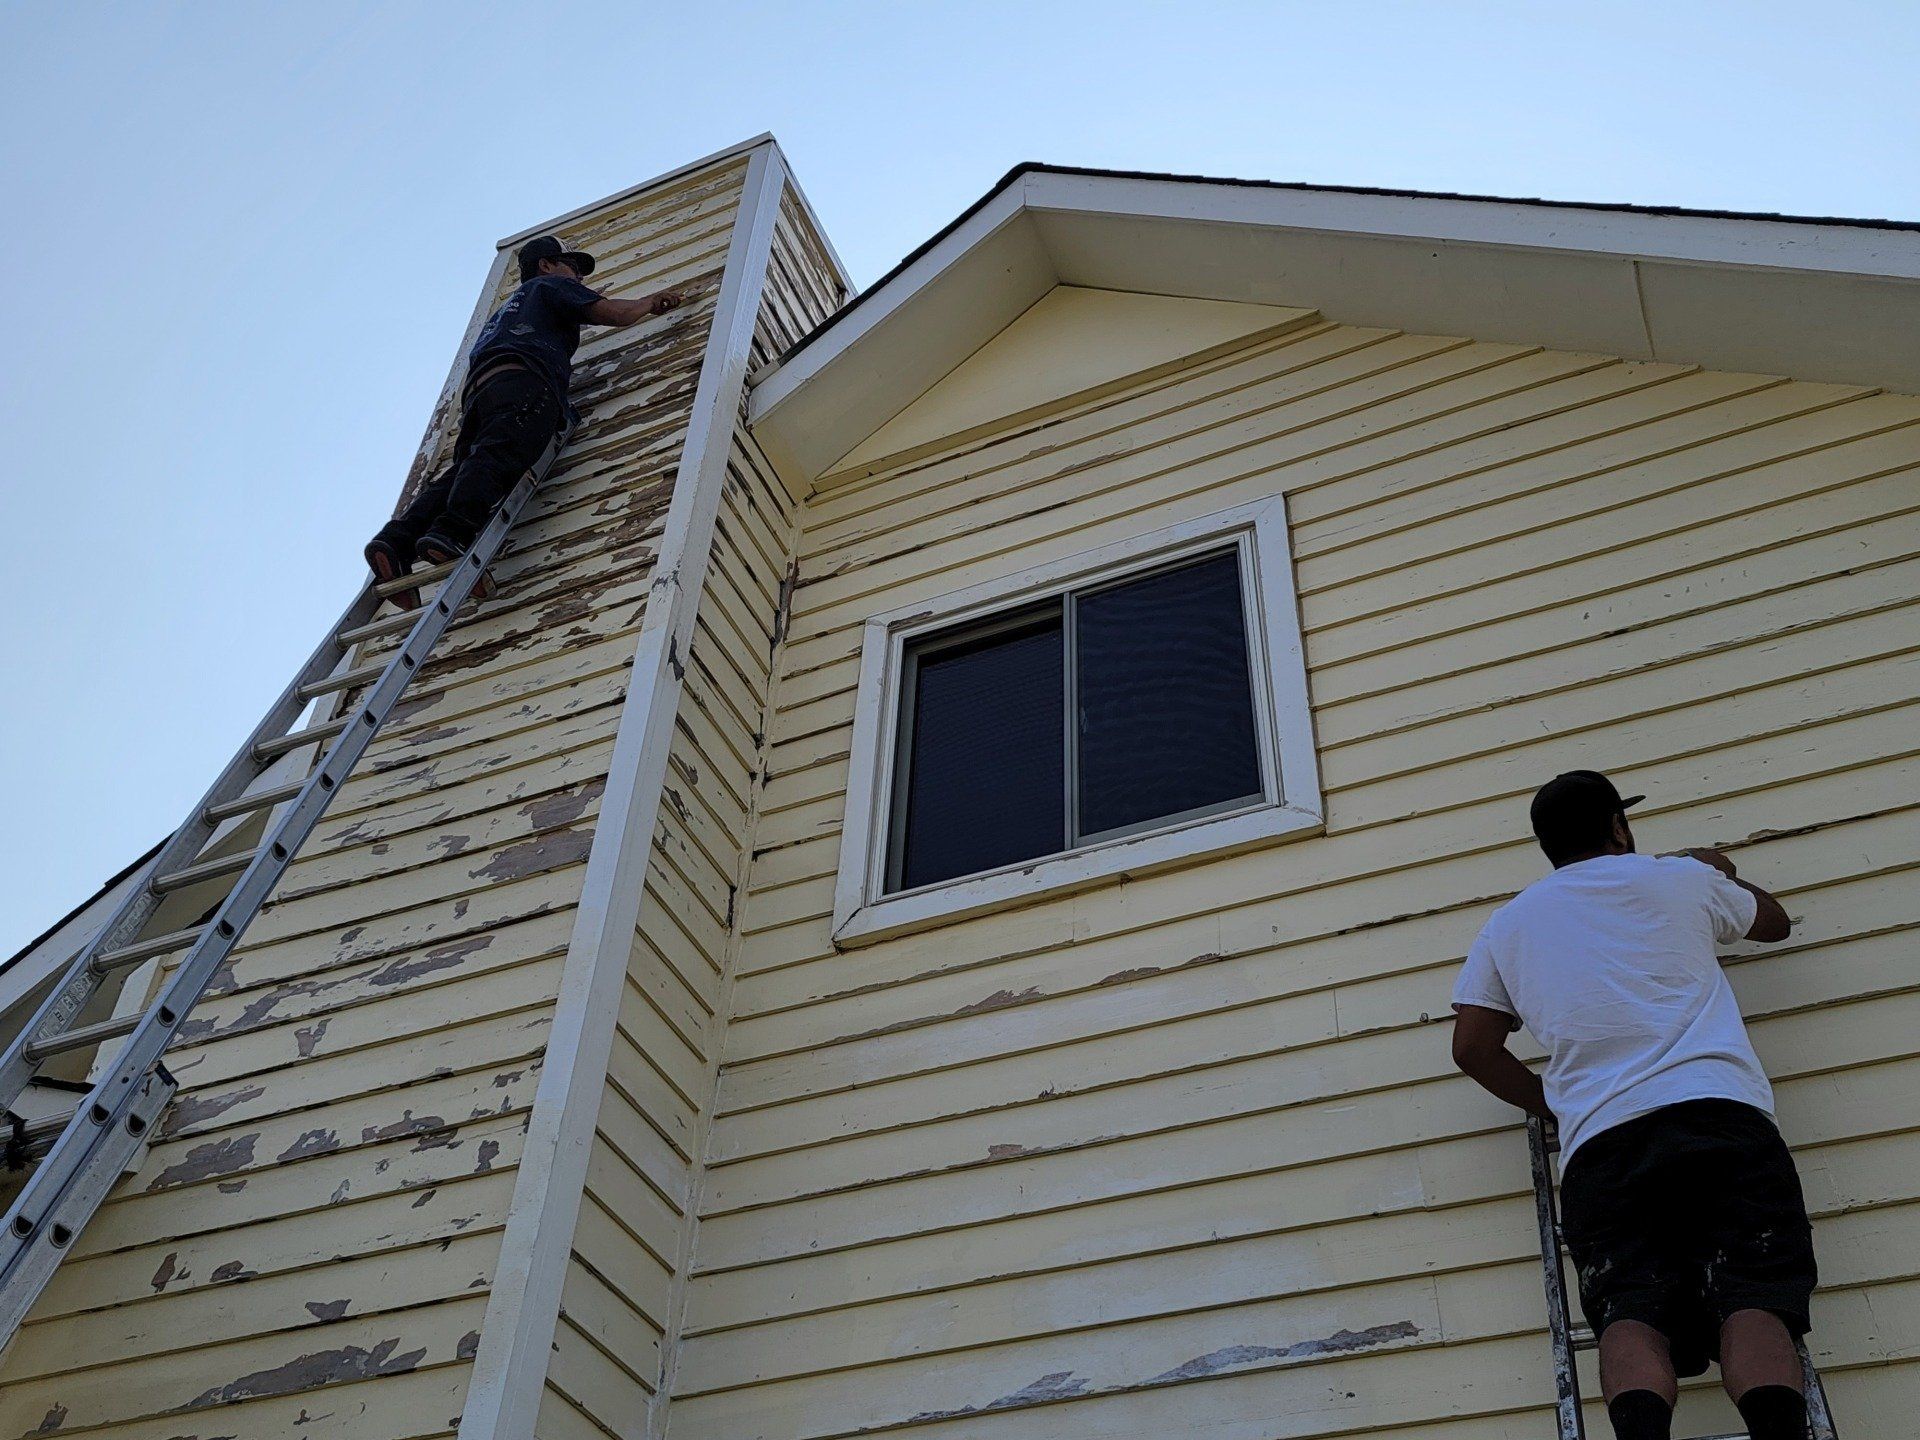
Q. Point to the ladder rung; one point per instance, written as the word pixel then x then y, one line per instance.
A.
pixel 146 949
pixel 428 576
pixel 80 1037
pixel 1581 1337
pixel 345 680
pixel 295 739
pixel 374 629
pixel 205 870
pixel 48 1125
pixel 254 800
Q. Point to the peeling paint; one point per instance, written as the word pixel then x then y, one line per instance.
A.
pixel 468 1347
pixel 231 1270
pixel 51 1421
pixel 203 1162
pixel 407 1124
pixel 400 971
pixel 999 1000
pixel 167 1273
pixel 1057 1385
pixel 198 1107
pixel 1341 1342
pixel 309 1036
pixel 564 806
pixel 489 1150
pixel 311 1142
pixel 532 857
pixel 327 1309
pixel 305 1372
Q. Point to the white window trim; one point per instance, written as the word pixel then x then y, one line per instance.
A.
pixel 1292 807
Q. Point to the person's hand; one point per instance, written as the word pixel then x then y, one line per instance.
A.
pixel 1708 856
pixel 665 300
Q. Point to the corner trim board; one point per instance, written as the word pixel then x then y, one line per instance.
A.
pixel 510 1368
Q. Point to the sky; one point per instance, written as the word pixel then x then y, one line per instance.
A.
pixel 245 240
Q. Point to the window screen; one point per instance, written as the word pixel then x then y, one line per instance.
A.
pixel 1109 710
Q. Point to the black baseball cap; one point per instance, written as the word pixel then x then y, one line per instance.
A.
pixel 548 247
pixel 1576 805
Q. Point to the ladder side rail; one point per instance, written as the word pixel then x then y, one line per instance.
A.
pixel 52 1206
pixel 1566 1379
pixel 82 978
pixel 1820 1424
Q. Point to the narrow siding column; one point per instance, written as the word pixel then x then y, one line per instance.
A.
pixel 517 1334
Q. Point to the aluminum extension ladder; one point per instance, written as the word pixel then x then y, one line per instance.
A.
pixel 1569 1338
pixel 82 1152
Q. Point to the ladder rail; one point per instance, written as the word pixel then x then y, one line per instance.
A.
pixel 83 976
pixel 112 1124
pixel 1566 1381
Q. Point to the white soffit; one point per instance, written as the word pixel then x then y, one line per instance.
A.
pixel 1809 299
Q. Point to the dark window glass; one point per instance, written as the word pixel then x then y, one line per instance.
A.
pixel 1165 698
pixel 983 753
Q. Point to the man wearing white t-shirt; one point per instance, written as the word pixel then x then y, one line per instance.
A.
pixel 1680 1203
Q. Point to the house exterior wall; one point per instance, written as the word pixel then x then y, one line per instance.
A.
pixel 1186 1154
pixel 311 1246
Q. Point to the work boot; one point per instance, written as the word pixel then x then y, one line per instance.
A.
pixel 390 557
pixel 437 547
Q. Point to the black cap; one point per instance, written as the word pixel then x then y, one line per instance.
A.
pixel 1575 806
pixel 548 247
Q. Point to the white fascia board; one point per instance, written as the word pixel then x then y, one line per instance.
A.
pixel 779 383
pixel 1628 234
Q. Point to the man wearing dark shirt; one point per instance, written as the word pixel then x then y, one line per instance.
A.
pixel 514 399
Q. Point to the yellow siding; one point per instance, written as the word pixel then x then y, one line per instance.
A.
pixel 308 1247
pixel 1186 1155
pixel 634 1231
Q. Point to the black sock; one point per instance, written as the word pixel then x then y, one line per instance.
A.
pixel 1642 1415
pixel 1774 1412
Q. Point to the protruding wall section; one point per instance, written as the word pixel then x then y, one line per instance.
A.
pixel 313 1245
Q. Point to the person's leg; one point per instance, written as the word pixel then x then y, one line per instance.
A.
pixel 392 551
pixel 1761 1372
pixel 508 423
pixel 1637 1380
pixel 1762 1273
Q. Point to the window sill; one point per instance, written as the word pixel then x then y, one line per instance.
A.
pixel 1053 875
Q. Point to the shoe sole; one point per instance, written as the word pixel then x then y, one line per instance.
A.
pixel 381 562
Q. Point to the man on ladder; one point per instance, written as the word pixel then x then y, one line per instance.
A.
pixel 514 402
pixel 1680 1203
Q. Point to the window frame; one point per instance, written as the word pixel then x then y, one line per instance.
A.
pixel 1289 806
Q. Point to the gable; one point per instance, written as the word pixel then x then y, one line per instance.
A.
pixel 1070 345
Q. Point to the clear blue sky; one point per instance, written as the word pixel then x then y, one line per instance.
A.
pixel 245 238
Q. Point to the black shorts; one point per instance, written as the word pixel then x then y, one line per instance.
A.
pixel 1682 1216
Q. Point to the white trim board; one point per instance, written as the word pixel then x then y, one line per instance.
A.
pixel 516 1336
pixel 1292 806
pixel 1800 298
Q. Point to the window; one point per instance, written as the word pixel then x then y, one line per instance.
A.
pixel 1117 711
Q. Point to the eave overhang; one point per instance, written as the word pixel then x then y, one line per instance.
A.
pixel 1818 299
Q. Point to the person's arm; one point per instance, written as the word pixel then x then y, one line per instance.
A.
pixel 1771 922
pixel 606 311
pixel 1480 1050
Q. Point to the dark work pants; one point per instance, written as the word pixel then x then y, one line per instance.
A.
pixel 504 426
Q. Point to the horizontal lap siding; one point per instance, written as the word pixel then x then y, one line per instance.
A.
pixel 629 1249
pixel 307 1247
pixel 1188 1154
